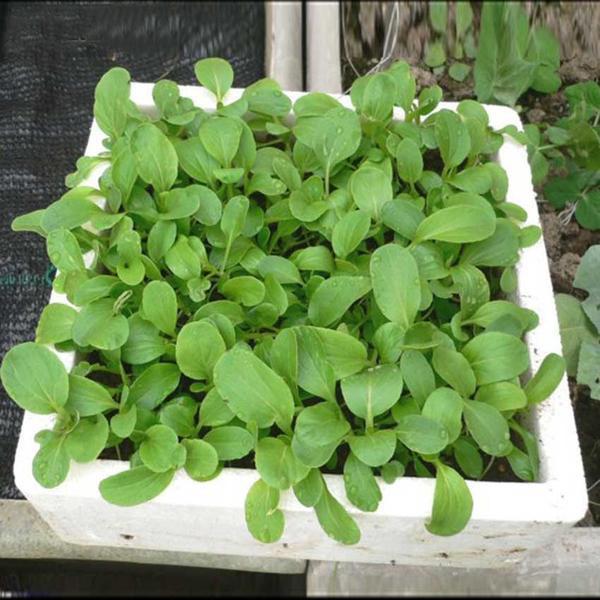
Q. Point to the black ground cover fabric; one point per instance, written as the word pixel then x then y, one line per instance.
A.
pixel 51 57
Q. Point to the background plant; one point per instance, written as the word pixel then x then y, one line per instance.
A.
pixel 463 42
pixel 580 324
pixel 318 293
pixel 513 56
pixel 565 156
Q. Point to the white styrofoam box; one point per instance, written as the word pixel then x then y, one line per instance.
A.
pixel 508 518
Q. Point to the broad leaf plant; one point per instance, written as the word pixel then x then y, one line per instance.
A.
pixel 299 288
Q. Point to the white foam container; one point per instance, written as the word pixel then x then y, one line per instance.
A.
pixel 508 518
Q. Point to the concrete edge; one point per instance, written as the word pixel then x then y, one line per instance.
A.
pixel 25 535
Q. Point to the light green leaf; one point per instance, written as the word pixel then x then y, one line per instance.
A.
pixel 452 502
pixel 335 520
pixel 396 284
pixel 34 378
pixel 334 296
pixel 264 520
pixel 277 465
pixel 361 486
pixel 134 486
pixel 230 442
pixel 199 347
pixel 421 434
pixel 372 392
pixel 155 158
pixel 253 391
pixel 215 74
pixel 496 356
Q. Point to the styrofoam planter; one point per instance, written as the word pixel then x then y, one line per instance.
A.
pixel 508 518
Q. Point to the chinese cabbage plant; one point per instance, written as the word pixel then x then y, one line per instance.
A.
pixel 304 286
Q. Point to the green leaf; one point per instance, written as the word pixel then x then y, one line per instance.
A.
pixel 111 98
pixel 587 369
pixel 377 100
pixel 343 352
pixel 201 459
pixel 277 465
pixel 468 457
pixel 199 347
pixel 370 190
pixel 284 270
pixel 87 440
pixel 396 285
pixel 51 462
pixel 245 290
pixel 155 384
pixel 215 74
pixel 221 138
pixel 349 232
pixel 144 343
pixel 253 391
pixel 460 224
pixel 122 424
pixel 421 434
pixel 35 378
pixel 309 490
pixel 195 160
pixel 159 303
pixel 70 211
pixel 403 216
pixel 452 502
pixel 502 395
pixel 417 374
pixel 333 137
pixel 488 427
pixel 134 486
pixel 335 520
pixel 361 486
pixel 575 328
pixel 157 448
pixel 321 425
pixel 155 158
pixel 409 161
pixel 372 392
pixel 266 98
pixel 334 296
pixel 438 15
pixel 64 251
pixel 586 278
pixel 87 397
pixel 496 356
pixel 230 442
pixel 435 55
pixel 264 520
pixel 445 406
pixel 373 448
pixel 452 137
pixel 459 71
pixel 501 72
pixel 97 325
pixel 55 324
pixel 546 380
pixel 214 410
pixel 455 369
pixel 501 249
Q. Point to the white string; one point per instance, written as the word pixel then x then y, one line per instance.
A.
pixel 388 48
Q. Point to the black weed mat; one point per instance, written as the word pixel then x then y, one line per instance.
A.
pixel 22 578
pixel 51 57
